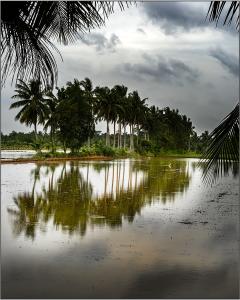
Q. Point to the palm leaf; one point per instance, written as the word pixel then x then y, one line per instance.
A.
pixel 29 29
pixel 217 8
pixel 222 152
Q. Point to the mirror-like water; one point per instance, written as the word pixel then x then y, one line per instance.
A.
pixel 118 229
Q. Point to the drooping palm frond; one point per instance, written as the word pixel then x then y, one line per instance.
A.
pixel 222 153
pixel 29 29
pixel 216 11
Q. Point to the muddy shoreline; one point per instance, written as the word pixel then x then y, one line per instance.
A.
pixel 52 160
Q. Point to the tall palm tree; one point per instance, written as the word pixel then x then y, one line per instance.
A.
pixel 32 103
pixel 52 102
pixel 29 30
pixel 104 107
pixel 120 92
pixel 136 110
pixel 89 94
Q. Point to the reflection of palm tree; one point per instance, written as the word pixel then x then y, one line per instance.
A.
pixel 70 202
pixel 27 214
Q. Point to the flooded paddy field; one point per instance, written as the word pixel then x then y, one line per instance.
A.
pixel 118 229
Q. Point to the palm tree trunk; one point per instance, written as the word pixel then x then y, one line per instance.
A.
pixel 107 134
pixel 35 131
pixel 89 142
pixel 124 136
pixel 132 138
pixel 52 139
pixel 130 133
pixel 114 133
pixel 120 132
pixel 137 133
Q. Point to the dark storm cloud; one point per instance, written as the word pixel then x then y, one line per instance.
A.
pixel 101 42
pixel 159 69
pixel 229 62
pixel 175 16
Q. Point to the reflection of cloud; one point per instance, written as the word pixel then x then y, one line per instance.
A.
pixel 184 282
pixel 167 259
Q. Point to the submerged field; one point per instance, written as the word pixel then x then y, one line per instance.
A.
pixel 129 228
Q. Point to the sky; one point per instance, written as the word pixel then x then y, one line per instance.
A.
pixel 166 51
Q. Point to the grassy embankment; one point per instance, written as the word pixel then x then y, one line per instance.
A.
pixel 102 153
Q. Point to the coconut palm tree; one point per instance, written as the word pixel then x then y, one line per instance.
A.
pixel 136 108
pixel 89 94
pixel 33 105
pixel 120 92
pixel 52 118
pixel 104 107
pixel 29 30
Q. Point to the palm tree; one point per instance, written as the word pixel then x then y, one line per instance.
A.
pixel 88 92
pixel 32 103
pixel 120 92
pixel 223 144
pixel 52 118
pixel 136 109
pixel 30 29
pixel 104 107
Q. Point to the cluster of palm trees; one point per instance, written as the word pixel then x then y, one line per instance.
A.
pixel 39 106
pixel 121 109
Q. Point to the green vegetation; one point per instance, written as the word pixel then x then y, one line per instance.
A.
pixel 69 118
pixel 27 30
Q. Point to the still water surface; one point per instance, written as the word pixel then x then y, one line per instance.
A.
pixel 118 229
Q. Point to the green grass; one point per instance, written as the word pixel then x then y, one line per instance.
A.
pixel 102 150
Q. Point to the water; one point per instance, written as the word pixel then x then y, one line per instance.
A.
pixel 118 229
pixel 13 154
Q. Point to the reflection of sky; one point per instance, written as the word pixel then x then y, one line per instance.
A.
pixel 155 252
pixel 121 174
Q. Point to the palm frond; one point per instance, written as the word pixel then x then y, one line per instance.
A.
pixel 216 11
pixel 19 103
pixel 222 152
pixel 29 29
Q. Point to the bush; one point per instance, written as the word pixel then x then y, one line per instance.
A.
pixel 87 151
pixel 107 151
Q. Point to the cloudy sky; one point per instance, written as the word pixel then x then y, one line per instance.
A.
pixel 166 51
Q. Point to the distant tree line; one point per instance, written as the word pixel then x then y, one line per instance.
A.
pixel 69 117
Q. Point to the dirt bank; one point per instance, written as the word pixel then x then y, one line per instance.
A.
pixel 52 160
